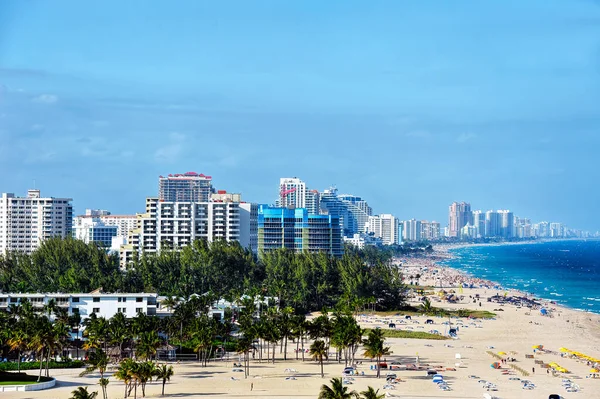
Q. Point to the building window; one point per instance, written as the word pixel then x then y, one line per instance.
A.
pixel 96 299
pixel 75 299
pixel 138 310
pixel 119 299
pixel 75 310
pixel 96 310
pixel 124 299
pixel 139 299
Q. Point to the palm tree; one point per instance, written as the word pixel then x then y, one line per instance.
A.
pixel 374 347
pixel 18 341
pixel 337 391
pixel 426 307
pixel 170 302
pixel 244 346
pixel 371 393
pixel 103 382
pixel 145 372
pixel 125 374
pixel 82 393
pixel 318 351
pixel 164 373
pixel 147 345
pixel 98 360
pixel 120 331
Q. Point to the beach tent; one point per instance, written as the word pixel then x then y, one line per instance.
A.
pixel 543 311
pixel 438 378
pixel 495 365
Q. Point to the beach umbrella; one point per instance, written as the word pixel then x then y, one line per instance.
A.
pixel 502 353
pixel 594 371
pixel 564 350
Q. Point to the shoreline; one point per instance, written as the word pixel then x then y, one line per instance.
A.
pixel 445 252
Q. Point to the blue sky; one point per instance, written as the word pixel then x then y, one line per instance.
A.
pixel 409 104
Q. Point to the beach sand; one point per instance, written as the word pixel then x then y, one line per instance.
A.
pixel 514 331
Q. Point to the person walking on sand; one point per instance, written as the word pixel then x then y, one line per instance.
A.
pixel 533 370
pixel 251 386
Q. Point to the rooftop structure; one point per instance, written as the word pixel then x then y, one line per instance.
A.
pixel 186 187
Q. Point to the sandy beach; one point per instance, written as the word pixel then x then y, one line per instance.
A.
pixel 465 361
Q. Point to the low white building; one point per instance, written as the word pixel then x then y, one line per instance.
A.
pixel 103 305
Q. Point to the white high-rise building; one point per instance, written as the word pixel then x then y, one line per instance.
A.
pixel 123 223
pixel 412 230
pixel 430 230
pixel 91 229
pixel 492 224
pixel 27 221
pixel 387 227
pixel 292 193
pixel 557 230
pixel 479 223
pixel 173 225
pixel 507 223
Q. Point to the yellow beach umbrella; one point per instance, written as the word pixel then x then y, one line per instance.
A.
pixel 564 350
pixel 502 353
pixel 594 371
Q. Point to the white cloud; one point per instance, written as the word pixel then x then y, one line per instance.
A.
pixel 464 137
pixel 45 99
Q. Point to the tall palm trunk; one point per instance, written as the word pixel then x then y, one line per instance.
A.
pixel 163 387
pixel 285 349
pixel 48 364
pixel 19 361
pixel 41 360
pixel 321 359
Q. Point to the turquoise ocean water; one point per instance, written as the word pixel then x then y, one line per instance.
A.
pixel 567 272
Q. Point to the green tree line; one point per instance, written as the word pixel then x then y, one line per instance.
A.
pixel 301 280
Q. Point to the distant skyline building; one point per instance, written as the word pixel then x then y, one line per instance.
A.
pixel 362 240
pixel 430 231
pixel 124 223
pixel 313 199
pixel 330 204
pixel 292 193
pixel 25 222
pixel 557 230
pixel 459 215
pixel 387 227
pixel 357 213
pixel 507 224
pixel 492 224
pixel 479 223
pixel 299 231
pixel 92 229
pixel 411 230
pixel 186 187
